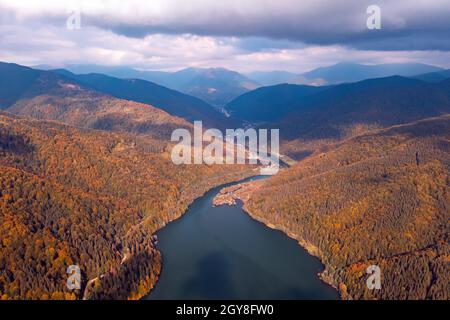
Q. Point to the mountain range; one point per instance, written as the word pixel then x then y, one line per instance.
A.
pixel 219 86
pixel 343 72
pixel 270 103
pixel 89 154
pixel 216 86
pixel 378 198
pixel 353 72
pixel 314 113
pixel 171 101
pixel 437 76
pixel 23 84
pixel 86 178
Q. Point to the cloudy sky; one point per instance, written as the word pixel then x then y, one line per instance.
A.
pixel 244 35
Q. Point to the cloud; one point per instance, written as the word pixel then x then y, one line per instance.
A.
pixel 242 35
pixel 308 21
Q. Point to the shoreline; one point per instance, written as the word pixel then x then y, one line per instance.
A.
pixel 219 186
pixel 228 179
pixel 230 195
pixel 234 185
pixel 310 248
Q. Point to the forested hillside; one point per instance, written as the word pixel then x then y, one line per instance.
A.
pixel 49 96
pixel 216 86
pixel 73 195
pixel 380 198
pixel 171 101
pixel 383 102
pixel 84 108
pixel 91 198
pixel 348 110
pixel 86 178
pixel 332 112
pixel 272 103
pixel 60 90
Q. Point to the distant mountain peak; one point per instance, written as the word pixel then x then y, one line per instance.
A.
pixel 18 82
pixel 352 72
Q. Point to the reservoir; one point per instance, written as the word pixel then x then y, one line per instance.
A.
pixel 223 253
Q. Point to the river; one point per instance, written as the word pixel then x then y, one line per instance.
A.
pixel 223 253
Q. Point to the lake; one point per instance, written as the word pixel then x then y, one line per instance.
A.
pixel 223 253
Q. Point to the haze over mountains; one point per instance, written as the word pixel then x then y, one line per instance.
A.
pixel 437 76
pixel 269 103
pixel 219 86
pixel 309 112
pixel 171 101
pixel 343 72
pixel 352 72
pixel 20 82
pixel 270 78
pixel 314 111
pixel 216 86
pixel 89 187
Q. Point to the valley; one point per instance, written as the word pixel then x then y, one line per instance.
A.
pixel 225 254
pixel 377 198
pixel 88 197
pixel 87 178
pixel 201 152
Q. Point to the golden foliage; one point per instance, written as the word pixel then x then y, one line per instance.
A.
pixel 378 198
pixel 91 198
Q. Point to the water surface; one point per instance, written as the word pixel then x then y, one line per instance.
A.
pixel 222 253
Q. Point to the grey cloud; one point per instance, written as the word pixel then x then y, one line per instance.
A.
pixel 247 35
pixel 259 44
pixel 406 25
pixel 326 23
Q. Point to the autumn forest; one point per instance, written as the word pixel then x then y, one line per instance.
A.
pixel 86 178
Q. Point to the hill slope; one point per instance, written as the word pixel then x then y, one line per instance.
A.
pixel 216 86
pixel 271 78
pixel 352 72
pixel 171 101
pixel 24 84
pixel 91 198
pixel 344 110
pixel 380 198
pixel 50 96
pixel 437 76
pixel 314 113
pixel 269 103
